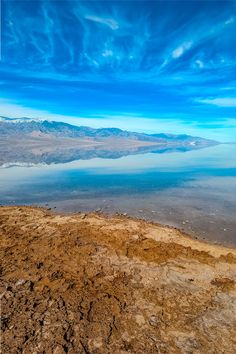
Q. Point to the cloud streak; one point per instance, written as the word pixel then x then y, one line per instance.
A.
pixel 179 51
pixel 71 36
pixel 111 23
pixel 156 58
pixel 220 102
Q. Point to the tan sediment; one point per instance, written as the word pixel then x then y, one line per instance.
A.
pixel 89 283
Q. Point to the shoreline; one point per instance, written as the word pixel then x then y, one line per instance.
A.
pixel 124 216
pixel 192 235
pixel 147 216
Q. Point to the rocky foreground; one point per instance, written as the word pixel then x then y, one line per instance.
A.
pixel 96 284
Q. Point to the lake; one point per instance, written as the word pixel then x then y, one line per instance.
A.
pixel 193 190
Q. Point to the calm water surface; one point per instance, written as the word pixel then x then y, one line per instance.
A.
pixel 195 190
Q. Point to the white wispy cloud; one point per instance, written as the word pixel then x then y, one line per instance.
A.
pixel 180 50
pixel 97 42
pixel 220 102
pixel 230 21
pixel 107 53
pixel 199 63
pixel 110 22
pixel 58 41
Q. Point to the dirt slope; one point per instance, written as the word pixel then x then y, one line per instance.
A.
pixel 96 284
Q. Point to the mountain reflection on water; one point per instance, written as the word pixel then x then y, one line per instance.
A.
pixel 62 155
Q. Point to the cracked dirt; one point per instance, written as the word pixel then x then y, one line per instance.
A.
pixel 97 284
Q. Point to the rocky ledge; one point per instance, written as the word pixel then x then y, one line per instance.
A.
pixel 88 283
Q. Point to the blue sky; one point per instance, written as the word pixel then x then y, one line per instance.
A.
pixel 140 65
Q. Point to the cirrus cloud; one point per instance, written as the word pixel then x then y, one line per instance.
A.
pixel 220 102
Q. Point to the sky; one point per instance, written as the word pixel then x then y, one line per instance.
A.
pixel 153 66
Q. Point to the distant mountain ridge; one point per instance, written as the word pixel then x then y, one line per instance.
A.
pixel 27 126
pixel 31 141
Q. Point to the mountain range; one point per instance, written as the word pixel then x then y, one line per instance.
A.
pixel 27 140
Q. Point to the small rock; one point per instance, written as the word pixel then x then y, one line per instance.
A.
pixel 20 282
pixel 39 265
pixel 59 350
pixel 30 285
pixel 83 216
pixel 78 242
pixel 56 275
pixel 153 321
pixel 7 294
pixel 135 237
pixel 140 320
